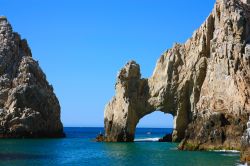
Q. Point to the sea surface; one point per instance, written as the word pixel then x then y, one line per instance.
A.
pixel 79 148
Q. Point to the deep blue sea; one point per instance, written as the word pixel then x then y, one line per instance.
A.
pixel 79 148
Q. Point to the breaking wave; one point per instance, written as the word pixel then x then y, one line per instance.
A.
pixel 227 151
pixel 147 139
pixel 242 164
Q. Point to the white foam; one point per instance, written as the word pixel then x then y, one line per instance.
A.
pixel 147 139
pixel 227 151
pixel 230 154
pixel 242 164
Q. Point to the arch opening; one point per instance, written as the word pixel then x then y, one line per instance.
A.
pixel 155 126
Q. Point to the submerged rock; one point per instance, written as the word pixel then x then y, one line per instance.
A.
pixel 28 106
pixel 100 138
pixel 204 83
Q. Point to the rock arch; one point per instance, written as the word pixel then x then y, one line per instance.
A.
pixel 204 83
pixel 136 98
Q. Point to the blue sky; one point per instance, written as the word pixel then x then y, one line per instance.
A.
pixel 81 45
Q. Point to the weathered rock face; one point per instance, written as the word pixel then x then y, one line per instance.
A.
pixel 130 103
pixel 204 84
pixel 245 145
pixel 221 110
pixel 28 106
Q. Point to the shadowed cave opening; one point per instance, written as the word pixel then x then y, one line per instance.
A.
pixel 154 126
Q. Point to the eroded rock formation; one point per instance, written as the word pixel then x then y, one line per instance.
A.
pixel 245 145
pixel 28 106
pixel 220 114
pixel 204 83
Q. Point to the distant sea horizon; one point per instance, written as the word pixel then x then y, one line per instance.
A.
pixel 103 127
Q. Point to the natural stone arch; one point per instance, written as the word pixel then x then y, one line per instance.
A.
pixel 204 82
pixel 135 99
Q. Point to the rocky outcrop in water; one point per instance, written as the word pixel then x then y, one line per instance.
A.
pixel 166 138
pixel 204 83
pixel 28 106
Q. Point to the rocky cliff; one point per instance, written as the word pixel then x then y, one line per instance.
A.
pixel 28 106
pixel 204 83
pixel 245 144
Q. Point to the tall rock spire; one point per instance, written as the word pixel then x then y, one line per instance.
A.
pixel 28 106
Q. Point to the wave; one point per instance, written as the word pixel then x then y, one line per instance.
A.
pixel 230 154
pixel 226 151
pixel 242 164
pixel 147 139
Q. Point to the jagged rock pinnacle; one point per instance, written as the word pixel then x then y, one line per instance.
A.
pixel 28 106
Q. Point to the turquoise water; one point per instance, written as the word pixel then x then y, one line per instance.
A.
pixel 78 148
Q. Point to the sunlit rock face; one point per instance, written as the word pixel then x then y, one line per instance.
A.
pixel 204 83
pixel 221 111
pixel 28 106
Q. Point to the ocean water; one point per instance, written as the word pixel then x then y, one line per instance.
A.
pixel 79 148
